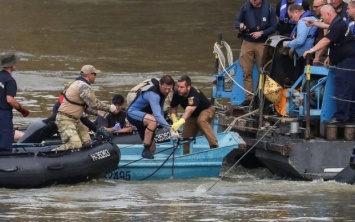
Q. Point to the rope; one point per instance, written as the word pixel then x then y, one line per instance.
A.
pixel 335 67
pixel 119 167
pixel 174 148
pixel 344 100
pixel 231 125
pixel 251 148
pixel 236 163
pixel 217 50
pixel 221 59
pixel 171 154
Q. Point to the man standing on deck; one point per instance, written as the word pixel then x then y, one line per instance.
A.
pixel 256 21
pixel 301 39
pixel 285 24
pixel 8 89
pixel 317 5
pixel 340 8
pixel 342 55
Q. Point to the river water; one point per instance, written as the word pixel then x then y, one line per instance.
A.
pixel 130 41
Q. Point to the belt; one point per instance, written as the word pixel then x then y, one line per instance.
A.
pixel 67 115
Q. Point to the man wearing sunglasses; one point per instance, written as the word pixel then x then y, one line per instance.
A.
pixel 79 97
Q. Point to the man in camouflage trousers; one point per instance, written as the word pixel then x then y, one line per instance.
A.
pixel 79 97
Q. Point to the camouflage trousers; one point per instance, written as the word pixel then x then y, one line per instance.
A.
pixel 72 132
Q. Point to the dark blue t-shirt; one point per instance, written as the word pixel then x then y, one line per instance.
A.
pixel 8 87
pixel 342 44
pixel 112 119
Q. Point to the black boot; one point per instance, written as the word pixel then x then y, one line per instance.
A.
pixel 146 152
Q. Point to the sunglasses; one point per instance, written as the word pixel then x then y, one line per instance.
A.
pixel 317 6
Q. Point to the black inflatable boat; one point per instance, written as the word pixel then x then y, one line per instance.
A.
pixel 47 131
pixel 34 165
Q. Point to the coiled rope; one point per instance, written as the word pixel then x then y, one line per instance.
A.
pixel 222 67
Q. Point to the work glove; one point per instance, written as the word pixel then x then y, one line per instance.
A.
pixel 175 135
pixel 113 108
pixel 177 125
pixel 117 126
pixel 174 117
pixel 23 110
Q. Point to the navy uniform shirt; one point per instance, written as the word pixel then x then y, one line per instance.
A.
pixel 8 87
pixel 342 41
pixel 194 98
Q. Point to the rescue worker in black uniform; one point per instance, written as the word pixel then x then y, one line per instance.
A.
pixel 198 113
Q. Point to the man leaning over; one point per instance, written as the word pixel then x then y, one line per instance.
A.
pixel 146 111
pixel 198 113
pixel 79 97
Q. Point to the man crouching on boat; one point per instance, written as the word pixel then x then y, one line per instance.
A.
pixel 146 111
pixel 79 97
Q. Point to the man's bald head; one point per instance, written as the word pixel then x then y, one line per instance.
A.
pixel 328 13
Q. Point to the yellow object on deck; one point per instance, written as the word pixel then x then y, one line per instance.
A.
pixel 272 90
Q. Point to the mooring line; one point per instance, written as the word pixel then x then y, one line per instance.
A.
pixel 236 163
pixel 251 148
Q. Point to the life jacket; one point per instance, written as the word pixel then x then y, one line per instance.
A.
pixel 132 94
pixel 70 101
pixel 313 29
pixel 250 18
pixel 283 10
pixel 149 85
pixel 61 98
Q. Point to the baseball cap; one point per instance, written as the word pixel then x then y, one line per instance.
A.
pixel 88 69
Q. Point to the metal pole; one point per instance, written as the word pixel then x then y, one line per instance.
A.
pixel 308 109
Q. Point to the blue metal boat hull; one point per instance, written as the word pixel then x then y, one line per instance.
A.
pixel 169 161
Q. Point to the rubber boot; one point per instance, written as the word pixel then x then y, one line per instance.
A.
pixel 146 152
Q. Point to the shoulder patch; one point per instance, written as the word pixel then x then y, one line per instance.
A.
pixel 191 100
